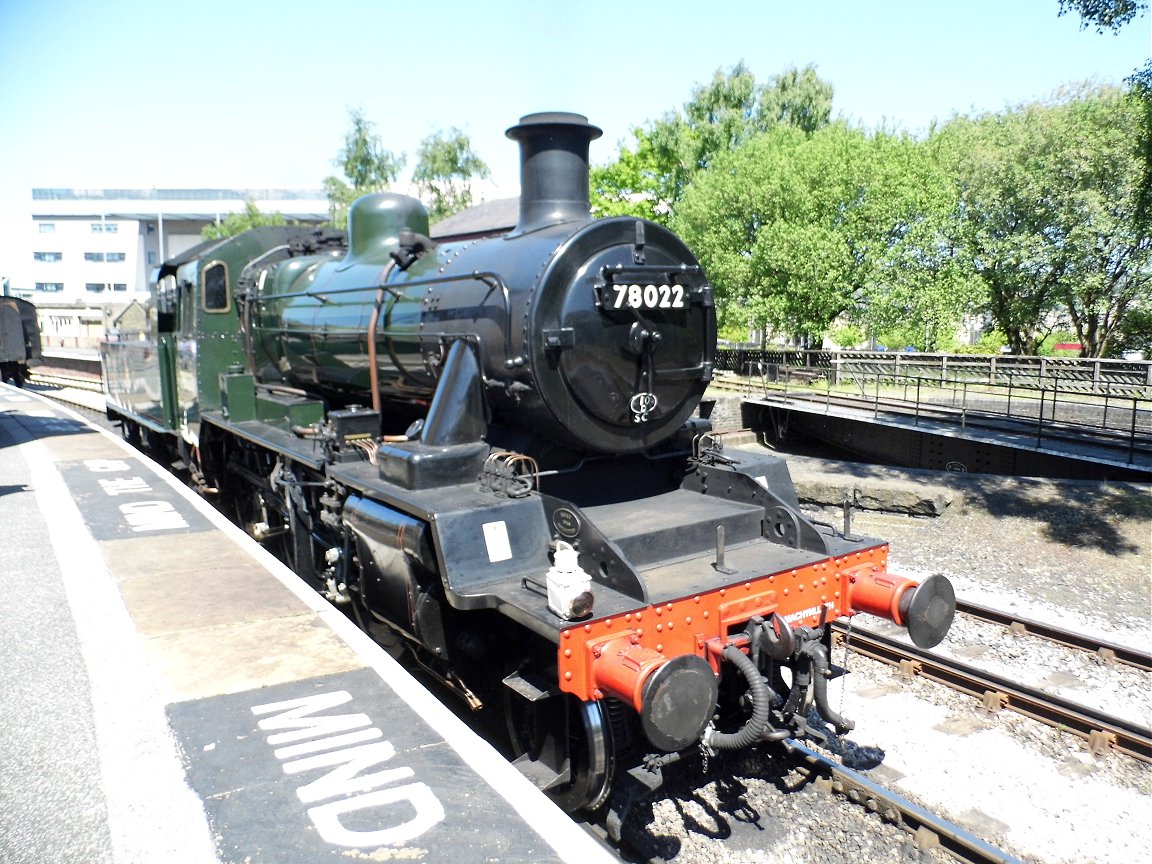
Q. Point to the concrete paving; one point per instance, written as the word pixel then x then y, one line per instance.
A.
pixel 172 693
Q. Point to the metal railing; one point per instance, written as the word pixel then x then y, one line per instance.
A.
pixel 1052 399
pixel 989 369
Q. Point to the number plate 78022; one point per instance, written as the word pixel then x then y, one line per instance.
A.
pixel 635 296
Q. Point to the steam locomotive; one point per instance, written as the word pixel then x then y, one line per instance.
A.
pixel 486 452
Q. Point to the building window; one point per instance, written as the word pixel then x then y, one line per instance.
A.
pixel 114 256
pixel 95 287
pixel 47 256
pixel 49 286
pixel 105 227
pixel 216 287
pixel 93 256
pixel 47 228
pixel 119 286
pixel 151 257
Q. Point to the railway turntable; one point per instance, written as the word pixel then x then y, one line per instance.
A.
pixel 173 693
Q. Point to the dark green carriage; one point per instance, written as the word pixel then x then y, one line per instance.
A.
pixel 164 379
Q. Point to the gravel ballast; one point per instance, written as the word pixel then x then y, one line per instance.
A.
pixel 1070 553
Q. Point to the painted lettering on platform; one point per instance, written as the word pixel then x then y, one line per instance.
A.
pixel 103 466
pixel 140 516
pixel 152 516
pixel 124 485
pixel 349 746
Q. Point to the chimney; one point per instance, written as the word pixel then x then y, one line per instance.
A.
pixel 553 168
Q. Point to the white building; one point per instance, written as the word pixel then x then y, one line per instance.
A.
pixel 97 246
pixel 89 253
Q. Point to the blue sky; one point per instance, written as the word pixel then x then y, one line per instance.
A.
pixel 252 93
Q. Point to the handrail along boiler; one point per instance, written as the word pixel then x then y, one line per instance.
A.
pixel 486 452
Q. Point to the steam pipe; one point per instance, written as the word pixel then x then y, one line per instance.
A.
pixel 373 372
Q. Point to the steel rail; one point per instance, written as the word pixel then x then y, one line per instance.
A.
pixel 928 829
pixel 78 383
pixel 1018 624
pixel 1101 730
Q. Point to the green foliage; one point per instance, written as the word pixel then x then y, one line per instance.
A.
pixel 1037 216
pixel 366 165
pixel 632 185
pixel 236 223
pixel 921 284
pixel 848 336
pixel 1104 14
pixel 733 331
pixel 899 336
pixel 990 343
pixel 1141 93
pixel 1049 217
pixel 796 229
pixel 1135 333
pixel 796 97
pixel 650 179
pixel 445 165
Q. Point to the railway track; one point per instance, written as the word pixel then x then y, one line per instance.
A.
pixel 1019 625
pixel 78 391
pixel 61 379
pixel 1099 729
pixel 928 829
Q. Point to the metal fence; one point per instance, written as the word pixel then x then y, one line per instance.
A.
pixel 1006 370
pixel 1047 394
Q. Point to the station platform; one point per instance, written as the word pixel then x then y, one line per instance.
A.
pixel 173 693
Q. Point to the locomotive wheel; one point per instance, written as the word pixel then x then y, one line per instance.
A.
pixel 252 514
pixel 536 730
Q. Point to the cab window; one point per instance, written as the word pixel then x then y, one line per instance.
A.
pixel 215 285
pixel 166 304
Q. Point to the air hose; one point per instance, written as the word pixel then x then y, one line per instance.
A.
pixel 761 696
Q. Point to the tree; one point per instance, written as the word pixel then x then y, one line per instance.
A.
pixel 1111 255
pixel 1049 215
pixel 367 167
pixel 796 229
pixel 923 284
pixel 1104 14
pixel 1113 15
pixel 796 97
pixel 721 115
pixel 445 165
pixel 650 180
pixel 236 223
pixel 1141 84
pixel 1135 332
pixel 630 186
